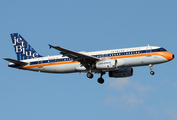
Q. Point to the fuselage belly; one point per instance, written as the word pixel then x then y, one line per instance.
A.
pixel 72 67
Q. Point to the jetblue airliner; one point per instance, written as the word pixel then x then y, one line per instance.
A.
pixel 118 62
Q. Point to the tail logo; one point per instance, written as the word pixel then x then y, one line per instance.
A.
pixel 22 48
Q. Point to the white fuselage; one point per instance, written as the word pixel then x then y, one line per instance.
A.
pixel 132 57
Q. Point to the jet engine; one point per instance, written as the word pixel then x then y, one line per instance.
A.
pixel 124 72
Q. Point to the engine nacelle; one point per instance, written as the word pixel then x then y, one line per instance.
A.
pixel 109 63
pixel 103 64
pixel 124 72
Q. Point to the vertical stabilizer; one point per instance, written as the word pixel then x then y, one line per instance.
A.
pixel 23 50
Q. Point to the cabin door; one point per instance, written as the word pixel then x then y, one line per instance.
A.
pixel 40 63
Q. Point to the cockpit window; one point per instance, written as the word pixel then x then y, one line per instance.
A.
pixel 162 49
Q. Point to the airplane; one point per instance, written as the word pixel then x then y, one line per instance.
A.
pixel 117 62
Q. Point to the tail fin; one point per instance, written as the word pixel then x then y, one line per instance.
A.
pixel 23 50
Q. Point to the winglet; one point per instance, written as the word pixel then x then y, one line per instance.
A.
pixel 50 46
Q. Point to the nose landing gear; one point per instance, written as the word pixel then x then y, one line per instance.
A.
pixel 152 73
pixel 151 67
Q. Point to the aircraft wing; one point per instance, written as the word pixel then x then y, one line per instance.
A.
pixel 76 56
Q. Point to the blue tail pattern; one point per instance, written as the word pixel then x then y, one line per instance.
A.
pixel 23 50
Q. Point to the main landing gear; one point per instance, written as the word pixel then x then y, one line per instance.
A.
pixel 90 75
pixel 100 80
pixel 151 67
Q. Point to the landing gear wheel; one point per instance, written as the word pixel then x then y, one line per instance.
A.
pixel 151 67
pixel 152 73
pixel 89 75
pixel 101 80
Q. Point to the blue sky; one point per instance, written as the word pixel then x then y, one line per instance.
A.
pixel 88 25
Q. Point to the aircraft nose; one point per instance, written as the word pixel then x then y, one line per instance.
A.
pixel 169 56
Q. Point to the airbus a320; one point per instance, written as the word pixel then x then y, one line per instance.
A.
pixel 117 62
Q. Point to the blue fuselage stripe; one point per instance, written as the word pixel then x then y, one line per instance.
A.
pixel 97 56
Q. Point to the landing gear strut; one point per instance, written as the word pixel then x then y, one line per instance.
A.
pixel 151 67
pixel 101 80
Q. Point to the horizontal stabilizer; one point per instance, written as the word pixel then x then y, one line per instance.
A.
pixel 16 61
